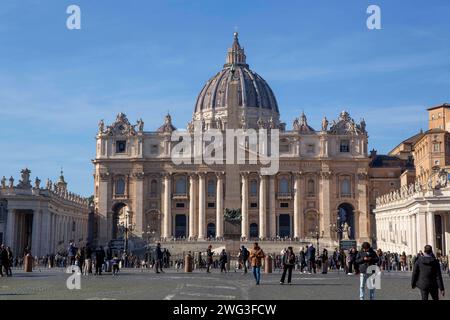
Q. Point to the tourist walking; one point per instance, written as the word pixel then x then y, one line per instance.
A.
pixel 311 258
pixel 324 261
pixel 223 259
pixel 288 264
pixel 365 258
pixel 209 259
pixel 99 261
pixel 256 256
pixel 10 262
pixel 115 265
pixel 158 258
pixel 350 261
pixel 302 260
pixel 427 275
pixel 4 261
pixel 243 255
pixel 88 260
pixel 71 253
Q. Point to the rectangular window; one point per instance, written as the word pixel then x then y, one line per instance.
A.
pixel 310 148
pixel 121 146
pixel 253 205
pixel 154 149
pixel 345 146
pixel 436 162
pixel 211 205
pixel 180 205
pixel 436 147
pixel 284 205
pixel 284 148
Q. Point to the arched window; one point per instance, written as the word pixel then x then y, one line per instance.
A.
pixel 180 186
pixel 311 187
pixel 253 188
pixel 153 187
pixel 284 185
pixel 120 186
pixel 211 187
pixel 346 187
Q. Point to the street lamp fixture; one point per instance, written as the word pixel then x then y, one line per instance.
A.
pixel 316 234
pixel 127 227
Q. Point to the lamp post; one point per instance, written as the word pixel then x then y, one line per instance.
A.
pixel 316 234
pixel 127 227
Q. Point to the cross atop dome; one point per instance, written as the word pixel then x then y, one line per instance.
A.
pixel 236 54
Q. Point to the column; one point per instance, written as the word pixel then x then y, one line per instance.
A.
pixel 244 206
pixel 139 202
pixel 301 206
pixel 421 224
pixel 51 232
pixel 46 232
pixel 219 205
pixel 262 206
pixel 192 204
pixel 11 231
pixel 201 206
pixel 167 215
pixel 324 203
pixel 104 194
pixel 297 212
pixel 413 235
pixel 430 229
pixel 361 194
pixel 36 233
pixel 272 208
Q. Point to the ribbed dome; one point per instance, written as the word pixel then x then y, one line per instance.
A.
pixel 253 91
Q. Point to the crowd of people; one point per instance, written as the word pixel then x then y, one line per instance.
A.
pixel 426 267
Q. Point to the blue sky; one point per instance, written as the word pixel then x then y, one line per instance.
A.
pixel 147 57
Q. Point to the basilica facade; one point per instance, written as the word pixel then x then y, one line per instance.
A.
pixel 322 181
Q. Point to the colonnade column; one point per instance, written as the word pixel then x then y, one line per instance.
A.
pixel 324 203
pixel 262 206
pixel 201 206
pixel 11 230
pixel 244 206
pixel 297 212
pixel 219 205
pixel 192 204
pixel 167 215
pixel 272 206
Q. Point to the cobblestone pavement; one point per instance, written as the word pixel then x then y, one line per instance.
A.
pixel 172 285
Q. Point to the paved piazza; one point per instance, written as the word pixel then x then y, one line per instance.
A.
pixel 134 284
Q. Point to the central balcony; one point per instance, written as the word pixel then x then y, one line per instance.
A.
pixel 284 196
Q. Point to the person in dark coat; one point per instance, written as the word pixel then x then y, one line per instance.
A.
pixel 302 260
pixel 364 259
pixel 4 261
pixel 209 258
pixel 288 264
pixel 244 255
pixel 223 259
pixel 324 261
pixel 88 260
pixel 158 258
pixel 99 261
pixel 427 275
pixel 311 257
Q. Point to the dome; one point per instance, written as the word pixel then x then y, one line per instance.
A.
pixel 253 93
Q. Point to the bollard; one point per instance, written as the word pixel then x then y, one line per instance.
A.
pixel 268 264
pixel 188 263
pixel 28 263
